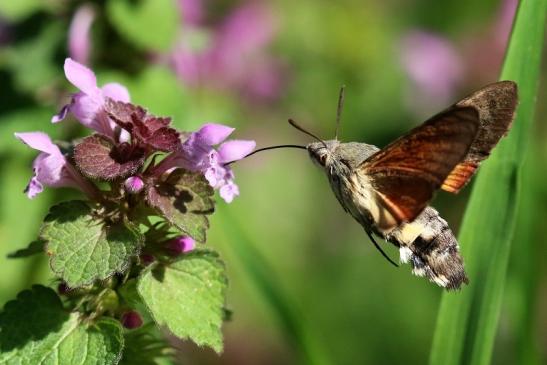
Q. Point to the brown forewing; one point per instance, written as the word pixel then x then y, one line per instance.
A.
pixel 406 173
pixel 496 105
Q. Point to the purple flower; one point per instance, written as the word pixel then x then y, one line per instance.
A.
pixel 433 64
pixel 202 156
pixel 180 245
pixel 51 167
pixel 191 11
pixel 134 184
pixel 236 55
pixel 87 105
pixel 78 34
pixel 198 153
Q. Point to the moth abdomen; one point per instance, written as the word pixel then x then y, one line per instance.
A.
pixel 430 247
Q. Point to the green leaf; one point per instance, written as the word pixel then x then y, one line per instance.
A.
pixel 33 248
pixel 188 297
pixel 149 24
pixel 144 347
pixel 17 10
pixel 185 200
pixel 83 248
pixel 36 330
pixel 468 320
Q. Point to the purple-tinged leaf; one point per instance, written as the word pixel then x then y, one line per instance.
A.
pixel 97 157
pixel 164 139
pixel 148 129
pixel 185 200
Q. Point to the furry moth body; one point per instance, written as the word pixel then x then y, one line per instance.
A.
pixel 388 190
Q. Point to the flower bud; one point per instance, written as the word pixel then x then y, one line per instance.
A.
pixel 133 184
pixel 131 320
pixel 180 245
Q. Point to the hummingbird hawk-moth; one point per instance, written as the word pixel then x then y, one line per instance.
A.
pixel 388 190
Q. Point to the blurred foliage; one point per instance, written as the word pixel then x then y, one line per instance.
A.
pixel 334 299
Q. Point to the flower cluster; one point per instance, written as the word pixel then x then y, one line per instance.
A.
pixel 230 53
pixel 126 137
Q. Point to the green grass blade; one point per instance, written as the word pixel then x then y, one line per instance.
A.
pixel 524 277
pixel 259 272
pixel 467 320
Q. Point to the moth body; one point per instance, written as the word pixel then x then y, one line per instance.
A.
pixel 426 243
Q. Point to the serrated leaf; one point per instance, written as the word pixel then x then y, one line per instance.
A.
pixel 35 247
pixel 149 24
pixel 187 296
pixel 185 200
pixel 35 329
pixel 98 158
pixel 83 248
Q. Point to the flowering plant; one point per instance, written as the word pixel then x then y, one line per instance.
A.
pixel 127 256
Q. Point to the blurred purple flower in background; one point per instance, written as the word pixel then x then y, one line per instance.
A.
pixel 51 167
pixel 437 67
pixel 485 49
pixel 79 39
pixel 231 54
pixel 87 105
pixel 433 65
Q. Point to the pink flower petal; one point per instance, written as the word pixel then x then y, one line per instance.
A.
pixel 212 134
pixel 78 34
pixel 229 191
pixel 38 141
pixel 116 92
pixel 235 150
pixel 34 188
pixel 81 77
pixel 86 108
pixel 61 115
pixel 50 170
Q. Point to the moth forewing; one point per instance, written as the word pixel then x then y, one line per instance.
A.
pixel 408 171
pixel 496 104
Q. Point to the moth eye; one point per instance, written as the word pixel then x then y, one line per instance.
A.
pixel 322 159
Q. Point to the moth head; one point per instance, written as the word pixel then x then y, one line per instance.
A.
pixel 321 152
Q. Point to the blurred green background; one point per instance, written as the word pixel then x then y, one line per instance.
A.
pixel 306 285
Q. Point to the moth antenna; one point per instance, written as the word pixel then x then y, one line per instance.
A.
pixel 341 97
pixel 269 148
pixel 295 125
pixel 380 249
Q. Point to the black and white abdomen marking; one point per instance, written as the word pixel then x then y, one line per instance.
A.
pixel 428 244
